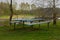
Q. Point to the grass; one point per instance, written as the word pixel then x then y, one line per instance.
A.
pixel 44 33
pixel 16 16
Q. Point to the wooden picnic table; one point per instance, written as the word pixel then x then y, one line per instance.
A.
pixel 31 22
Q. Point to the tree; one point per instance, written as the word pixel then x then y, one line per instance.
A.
pixel 52 4
pixel 24 6
pixel 27 6
pixel 54 13
pixel 4 8
pixel 54 10
pixel 33 6
pixel 11 11
pixel 40 5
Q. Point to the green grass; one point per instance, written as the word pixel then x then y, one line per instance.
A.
pixel 44 33
pixel 16 16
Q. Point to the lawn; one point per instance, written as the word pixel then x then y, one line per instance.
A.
pixel 16 16
pixel 44 33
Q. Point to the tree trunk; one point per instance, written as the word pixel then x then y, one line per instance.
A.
pixel 54 13
pixel 54 18
pixel 11 11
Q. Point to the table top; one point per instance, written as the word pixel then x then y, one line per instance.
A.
pixel 27 20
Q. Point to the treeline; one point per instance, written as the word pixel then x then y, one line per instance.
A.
pixel 25 8
pixel 4 9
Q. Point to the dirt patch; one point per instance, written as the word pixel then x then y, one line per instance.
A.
pixel 2 22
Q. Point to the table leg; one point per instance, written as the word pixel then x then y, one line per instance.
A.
pixel 48 24
pixel 39 24
pixel 23 24
pixel 31 25
pixel 14 25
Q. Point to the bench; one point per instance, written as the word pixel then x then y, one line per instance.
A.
pixel 35 23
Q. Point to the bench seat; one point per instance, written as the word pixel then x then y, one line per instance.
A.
pixel 37 23
pixel 17 22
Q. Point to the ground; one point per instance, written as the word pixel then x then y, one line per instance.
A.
pixel 42 33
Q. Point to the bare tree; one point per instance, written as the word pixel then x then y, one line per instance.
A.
pixel 54 11
pixel 40 7
pixel 52 5
pixel 33 6
pixel 25 6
